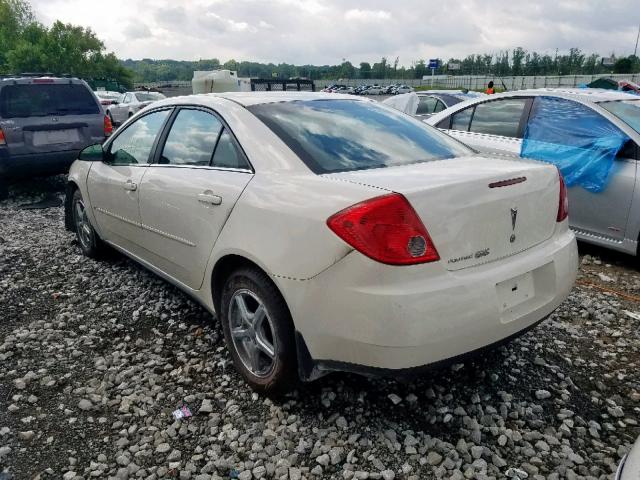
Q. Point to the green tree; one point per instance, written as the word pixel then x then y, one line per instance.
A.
pixel 623 65
pixel 15 16
pixel 365 70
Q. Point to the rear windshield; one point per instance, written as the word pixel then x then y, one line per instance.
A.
pixel 343 135
pixel 150 96
pixel 35 100
pixel 628 111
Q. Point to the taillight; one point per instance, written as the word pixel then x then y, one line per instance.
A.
pixel 3 141
pixel 108 127
pixel 563 203
pixel 386 229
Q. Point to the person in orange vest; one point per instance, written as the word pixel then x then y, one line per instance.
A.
pixel 490 90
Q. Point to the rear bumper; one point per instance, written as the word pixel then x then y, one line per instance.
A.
pixel 359 314
pixel 22 166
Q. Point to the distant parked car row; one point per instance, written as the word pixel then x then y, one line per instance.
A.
pixel 374 89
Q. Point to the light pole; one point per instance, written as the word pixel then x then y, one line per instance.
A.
pixel 635 50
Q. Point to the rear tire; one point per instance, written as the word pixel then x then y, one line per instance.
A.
pixel 88 238
pixel 4 190
pixel 259 332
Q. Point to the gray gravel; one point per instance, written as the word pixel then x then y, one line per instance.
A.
pixel 95 357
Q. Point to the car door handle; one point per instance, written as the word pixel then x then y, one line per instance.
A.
pixel 130 186
pixel 209 198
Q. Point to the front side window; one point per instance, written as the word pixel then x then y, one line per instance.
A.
pixel 192 139
pixel 581 142
pixel 499 117
pixel 133 145
pixel 344 135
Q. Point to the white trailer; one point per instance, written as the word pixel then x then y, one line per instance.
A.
pixel 219 81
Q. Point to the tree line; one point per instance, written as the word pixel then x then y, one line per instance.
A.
pixel 506 63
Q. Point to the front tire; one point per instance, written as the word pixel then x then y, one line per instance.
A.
pixel 259 331
pixel 88 239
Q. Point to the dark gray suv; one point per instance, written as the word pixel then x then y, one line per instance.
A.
pixel 44 123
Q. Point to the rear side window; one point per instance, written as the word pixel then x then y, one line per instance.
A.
pixel 426 105
pixel 227 154
pixel 40 100
pixel 439 107
pixel 460 121
pixel 499 117
pixel 133 145
pixel 343 135
pixel 192 139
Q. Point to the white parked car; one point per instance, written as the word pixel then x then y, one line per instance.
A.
pixel 629 468
pixel 327 231
pixel 373 90
pixel 402 89
pixel 129 104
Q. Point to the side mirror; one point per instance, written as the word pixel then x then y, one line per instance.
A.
pixel 92 153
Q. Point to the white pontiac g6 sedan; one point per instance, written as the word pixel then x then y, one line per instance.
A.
pixel 328 232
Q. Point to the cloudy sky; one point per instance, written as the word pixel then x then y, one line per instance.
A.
pixel 326 31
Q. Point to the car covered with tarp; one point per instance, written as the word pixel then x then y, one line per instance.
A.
pixel 591 135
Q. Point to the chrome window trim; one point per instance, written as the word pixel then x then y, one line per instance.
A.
pixel 200 167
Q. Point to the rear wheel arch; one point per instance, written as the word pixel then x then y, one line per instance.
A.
pixel 224 267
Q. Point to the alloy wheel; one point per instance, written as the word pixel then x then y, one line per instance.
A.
pixel 83 227
pixel 252 332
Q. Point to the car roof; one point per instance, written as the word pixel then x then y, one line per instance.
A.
pixel 29 79
pixel 593 95
pixel 255 98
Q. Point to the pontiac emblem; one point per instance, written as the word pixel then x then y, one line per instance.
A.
pixel 514 217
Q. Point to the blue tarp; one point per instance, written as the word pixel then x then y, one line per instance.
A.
pixel 579 141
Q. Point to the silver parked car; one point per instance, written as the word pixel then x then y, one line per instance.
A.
pixel 425 103
pixel 594 133
pixel 130 104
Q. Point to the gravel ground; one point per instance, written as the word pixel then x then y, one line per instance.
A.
pixel 95 356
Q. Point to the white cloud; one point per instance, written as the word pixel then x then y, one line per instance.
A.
pixel 367 15
pixel 326 31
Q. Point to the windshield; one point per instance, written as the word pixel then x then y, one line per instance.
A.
pixel 628 111
pixel 149 96
pixel 343 135
pixel 38 100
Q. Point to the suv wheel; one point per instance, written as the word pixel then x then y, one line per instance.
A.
pixel 4 189
pixel 88 239
pixel 259 331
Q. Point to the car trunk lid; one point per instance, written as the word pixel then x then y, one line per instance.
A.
pixel 476 209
